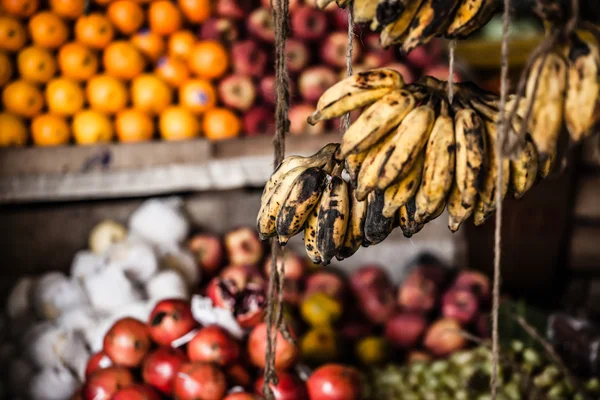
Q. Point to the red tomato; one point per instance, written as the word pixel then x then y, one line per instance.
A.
pixel 334 382
pixel 136 392
pixel 213 344
pixel 97 361
pixel 199 381
pixel 289 387
pixel 127 342
pixel 103 384
pixel 286 352
pixel 160 367
pixel 169 320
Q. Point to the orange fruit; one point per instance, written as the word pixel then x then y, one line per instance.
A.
pixel 77 61
pixel 94 31
pixel 197 95
pixel 150 94
pixel 64 96
pixel 123 60
pixel 164 17
pixel 50 130
pixel 13 131
pixel 149 44
pixel 12 34
pixel 69 9
pixel 90 127
pixel 196 11
pixel 22 98
pixel 48 30
pixel 102 2
pixel 36 64
pixel 19 8
pixel 178 123
pixel 6 68
pixel 220 124
pixel 106 94
pixel 172 70
pixel 133 126
pixel 126 15
pixel 209 59
pixel 181 44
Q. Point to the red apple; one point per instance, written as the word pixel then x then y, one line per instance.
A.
pixel 335 381
pixel 213 344
pixel 199 381
pixel 441 72
pixel 298 115
pixel 308 23
pixel 219 29
pixel 136 392
pixel 404 330
pixel 238 375
pixel 240 396
pixel 325 282
pixel 258 121
pixel 374 293
pixel 461 305
pixel 286 352
pixel 96 362
pixel 208 252
pixel 417 293
pixel 237 91
pixel 335 47
pixel 103 384
pixel 475 282
pixel 261 25
pixel 160 367
pixel 289 387
pixel 339 17
pixel 248 58
pixel 230 9
pixel 368 276
pixel 297 55
pixel 444 337
pixel 295 267
pixel 404 70
pixel 243 246
pixel 314 81
pixel 169 320
pixel 127 342
pixel 293 4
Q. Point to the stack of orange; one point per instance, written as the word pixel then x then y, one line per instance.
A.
pixel 124 67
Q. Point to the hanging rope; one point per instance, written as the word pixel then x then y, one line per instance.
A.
pixel 346 118
pixel 502 134
pixel 280 11
pixel 451 52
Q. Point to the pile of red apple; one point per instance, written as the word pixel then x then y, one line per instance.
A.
pixel 316 59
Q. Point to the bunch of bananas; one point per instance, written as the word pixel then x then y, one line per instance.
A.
pixel 412 23
pixel 526 374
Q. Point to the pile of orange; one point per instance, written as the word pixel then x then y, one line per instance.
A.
pixel 124 68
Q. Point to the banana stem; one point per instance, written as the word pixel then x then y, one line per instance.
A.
pixel 337 169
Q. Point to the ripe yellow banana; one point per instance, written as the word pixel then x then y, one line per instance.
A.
pixel 547 114
pixel 432 19
pixel 422 217
pixel 377 227
pixel 364 10
pixel 267 215
pixel 583 89
pixel 353 164
pixel 546 166
pixel 358 90
pixel 318 159
pixel 457 211
pixel 393 32
pixel 398 194
pixel 322 4
pixel 470 16
pixel 406 219
pixel 369 169
pixel 355 232
pixel 408 141
pixel 303 196
pixel 387 12
pixel 523 170
pixel 310 236
pixel 376 122
pixel 438 172
pixel 470 153
pixel 334 210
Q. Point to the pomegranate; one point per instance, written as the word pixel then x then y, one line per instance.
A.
pixel 461 305
pixel 238 375
pixel 160 366
pixel 136 392
pixel 475 282
pixel 97 361
pixel 127 342
pixel 104 383
pixel 293 264
pixel 374 292
pixel 213 344
pixel 169 320
pixel 240 396
pixel 199 381
pixel 286 352
pixel 334 382
pixel 289 387
pixel 326 282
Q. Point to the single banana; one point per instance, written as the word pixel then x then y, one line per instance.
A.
pixel 333 217
pixel 377 227
pixel 407 221
pixel 546 166
pixel 470 153
pixel 368 174
pixel 408 141
pixel 395 31
pixel 302 197
pixel 353 164
pixel 583 88
pixel 310 236
pixel 364 10
pixel 422 217
pixel 547 114
pixel 398 194
pixel 438 172
pixel 524 170
pixel 318 159
pixel 322 4
pixel 470 16
pixel 342 3
pixel 432 19
pixel 356 228
pixel 376 122
pixel 356 91
pixel 457 212
pixel 267 215
pixel 387 12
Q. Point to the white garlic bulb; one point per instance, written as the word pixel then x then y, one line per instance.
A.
pixel 160 221
pixel 168 284
pixel 105 234
pixel 19 300
pixel 135 258
pixel 110 289
pixel 52 383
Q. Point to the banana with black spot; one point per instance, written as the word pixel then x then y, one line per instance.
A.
pixel 377 227
pixel 388 11
pixel 310 236
pixel 368 173
pixel 364 10
pixel 470 16
pixel 524 170
pixel 334 213
pixel 396 195
pixel 353 163
pixel 394 32
pixel 457 212
pixel 355 233
pixel 406 218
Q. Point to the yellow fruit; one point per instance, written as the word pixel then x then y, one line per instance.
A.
pixel 13 131
pixel 320 345
pixel 22 98
pixel 321 310
pixel 372 350
pixel 90 127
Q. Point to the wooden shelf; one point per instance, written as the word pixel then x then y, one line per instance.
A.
pixel 145 169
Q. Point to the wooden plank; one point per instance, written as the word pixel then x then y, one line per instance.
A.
pixel 587 199
pixel 585 249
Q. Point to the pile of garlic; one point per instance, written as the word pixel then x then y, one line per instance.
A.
pixel 54 322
